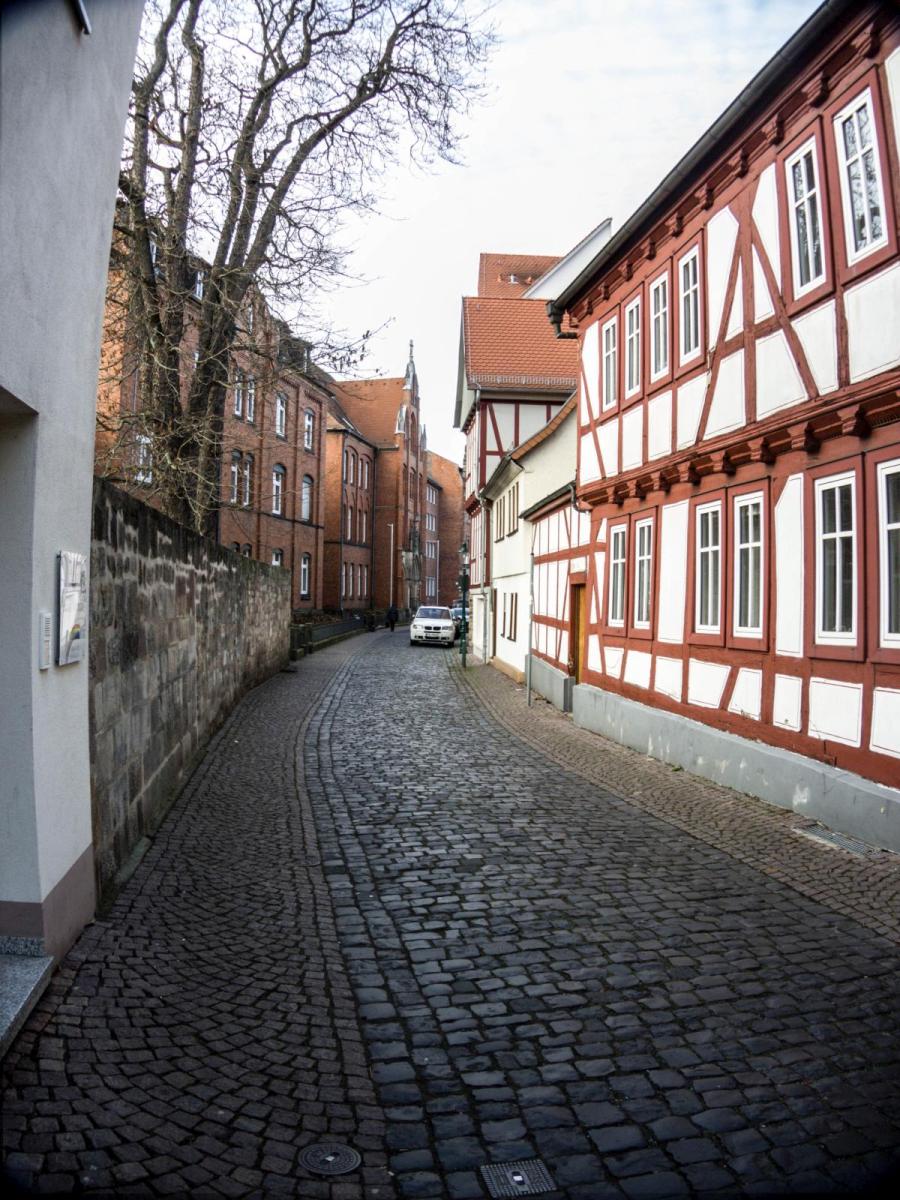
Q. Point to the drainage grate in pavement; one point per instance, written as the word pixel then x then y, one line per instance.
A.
pixel 841 840
pixel 527 1177
pixel 331 1158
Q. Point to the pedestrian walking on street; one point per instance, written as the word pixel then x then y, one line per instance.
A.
pixel 391 617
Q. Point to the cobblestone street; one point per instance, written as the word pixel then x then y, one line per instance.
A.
pixel 378 916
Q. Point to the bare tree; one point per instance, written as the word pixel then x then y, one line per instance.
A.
pixel 255 126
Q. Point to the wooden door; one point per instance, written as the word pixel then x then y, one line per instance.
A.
pixel 577 630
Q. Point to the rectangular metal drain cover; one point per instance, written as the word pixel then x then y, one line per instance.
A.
pixel 527 1177
pixel 841 840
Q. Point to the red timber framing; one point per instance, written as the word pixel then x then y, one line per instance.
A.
pixel 741 456
pixel 562 551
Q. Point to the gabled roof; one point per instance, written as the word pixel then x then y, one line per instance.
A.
pixel 509 345
pixel 338 420
pixel 372 406
pixel 565 269
pixel 505 276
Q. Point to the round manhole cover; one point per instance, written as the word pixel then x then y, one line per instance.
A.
pixel 329 1158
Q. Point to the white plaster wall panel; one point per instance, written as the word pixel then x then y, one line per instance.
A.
pixel 690 406
pixel 601 530
pixel 668 678
pixel 613 656
pixel 778 382
pixel 789 568
pixel 563 648
pixel 721 234
pixel 584 528
pixel 553 530
pixel 765 217
pixel 659 425
pixel 590 366
pixel 637 668
pixel 762 298
pixel 584 411
pixel 817 331
pixel 506 423
pixel 595 656
pixel 632 438
pixel 886 721
pixel 736 315
pixel 892 71
pixel 578 564
pixel 746 699
pixel 532 417
pixel 786 702
pixel 835 710
pixel 873 323
pixel 589 467
pixel 673 571
pixel 727 408
pixel 706 682
pixel 608 437
pixel 599 568
pixel 542 638
pixel 552 580
pixel 490 437
pixel 563 594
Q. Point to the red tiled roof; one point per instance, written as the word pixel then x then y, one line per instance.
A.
pixel 511 344
pixel 509 275
pixel 372 405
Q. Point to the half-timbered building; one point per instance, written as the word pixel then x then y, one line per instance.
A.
pixel 739 439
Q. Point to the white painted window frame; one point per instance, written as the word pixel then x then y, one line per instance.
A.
pixel 235 477
pixel 278 476
pixel 609 395
pixel 251 398
pixel 349 533
pixel 238 389
pixel 199 284
pixel 659 369
pixel 277 558
pixel 688 354
pixel 304 576
pixel 643 572
pixel 618 574
pixel 747 500
pixel 831 637
pixel 362 525
pixel 801 289
pixel 280 414
pixel 632 338
pixel 143 473
pixel 247 480
pixel 854 255
pixel 306 497
pixel 699 551
pixel 887 639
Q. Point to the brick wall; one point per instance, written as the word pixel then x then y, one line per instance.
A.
pixel 180 628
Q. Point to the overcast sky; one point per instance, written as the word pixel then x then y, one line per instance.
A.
pixel 591 102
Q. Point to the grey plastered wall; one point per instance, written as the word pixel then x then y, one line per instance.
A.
pixel 63 100
pixel 180 629
pixel 839 799
pixel 552 684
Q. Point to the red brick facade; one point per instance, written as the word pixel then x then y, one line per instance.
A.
pixel 349 505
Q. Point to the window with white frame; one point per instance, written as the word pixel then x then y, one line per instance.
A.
pixel 888 476
pixel 234 488
pixel 251 398
pixel 247 490
pixel 278 474
pixel 689 293
pixel 805 218
pixel 707 602
pixel 610 339
pixel 659 327
pixel 835 501
pixel 361 525
pixel 349 533
pixel 499 519
pixel 748 565
pixel 238 388
pixel 196 360
pixel 343 581
pixel 143 472
pixel 250 318
pixel 247 550
pixel 280 414
pixel 633 347
pixel 365 473
pixel 352 476
pixel 617 538
pixel 513 513
pixel 277 558
pixel 304 575
pixel 309 427
pixel 643 572
pixel 346 462
pixel 359 580
pixel 199 281
pixel 862 188
pixel 306 498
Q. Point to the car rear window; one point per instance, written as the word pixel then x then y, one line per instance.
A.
pixel 440 614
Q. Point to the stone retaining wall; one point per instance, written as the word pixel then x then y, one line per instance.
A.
pixel 180 629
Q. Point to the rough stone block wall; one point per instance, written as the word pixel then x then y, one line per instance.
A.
pixel 180 629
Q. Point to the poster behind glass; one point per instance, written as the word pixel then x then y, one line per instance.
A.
pixel 72 608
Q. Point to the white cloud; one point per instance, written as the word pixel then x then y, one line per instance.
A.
pixel 591 105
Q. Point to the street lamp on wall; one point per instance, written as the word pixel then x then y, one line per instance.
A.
pixel 464 591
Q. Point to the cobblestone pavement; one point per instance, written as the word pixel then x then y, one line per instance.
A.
pixel 378 915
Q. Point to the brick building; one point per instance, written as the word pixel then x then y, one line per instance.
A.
pixel 349 507
pixel 444 478
pixel 272 499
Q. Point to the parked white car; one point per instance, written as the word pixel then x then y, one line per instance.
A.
pixel 432 624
